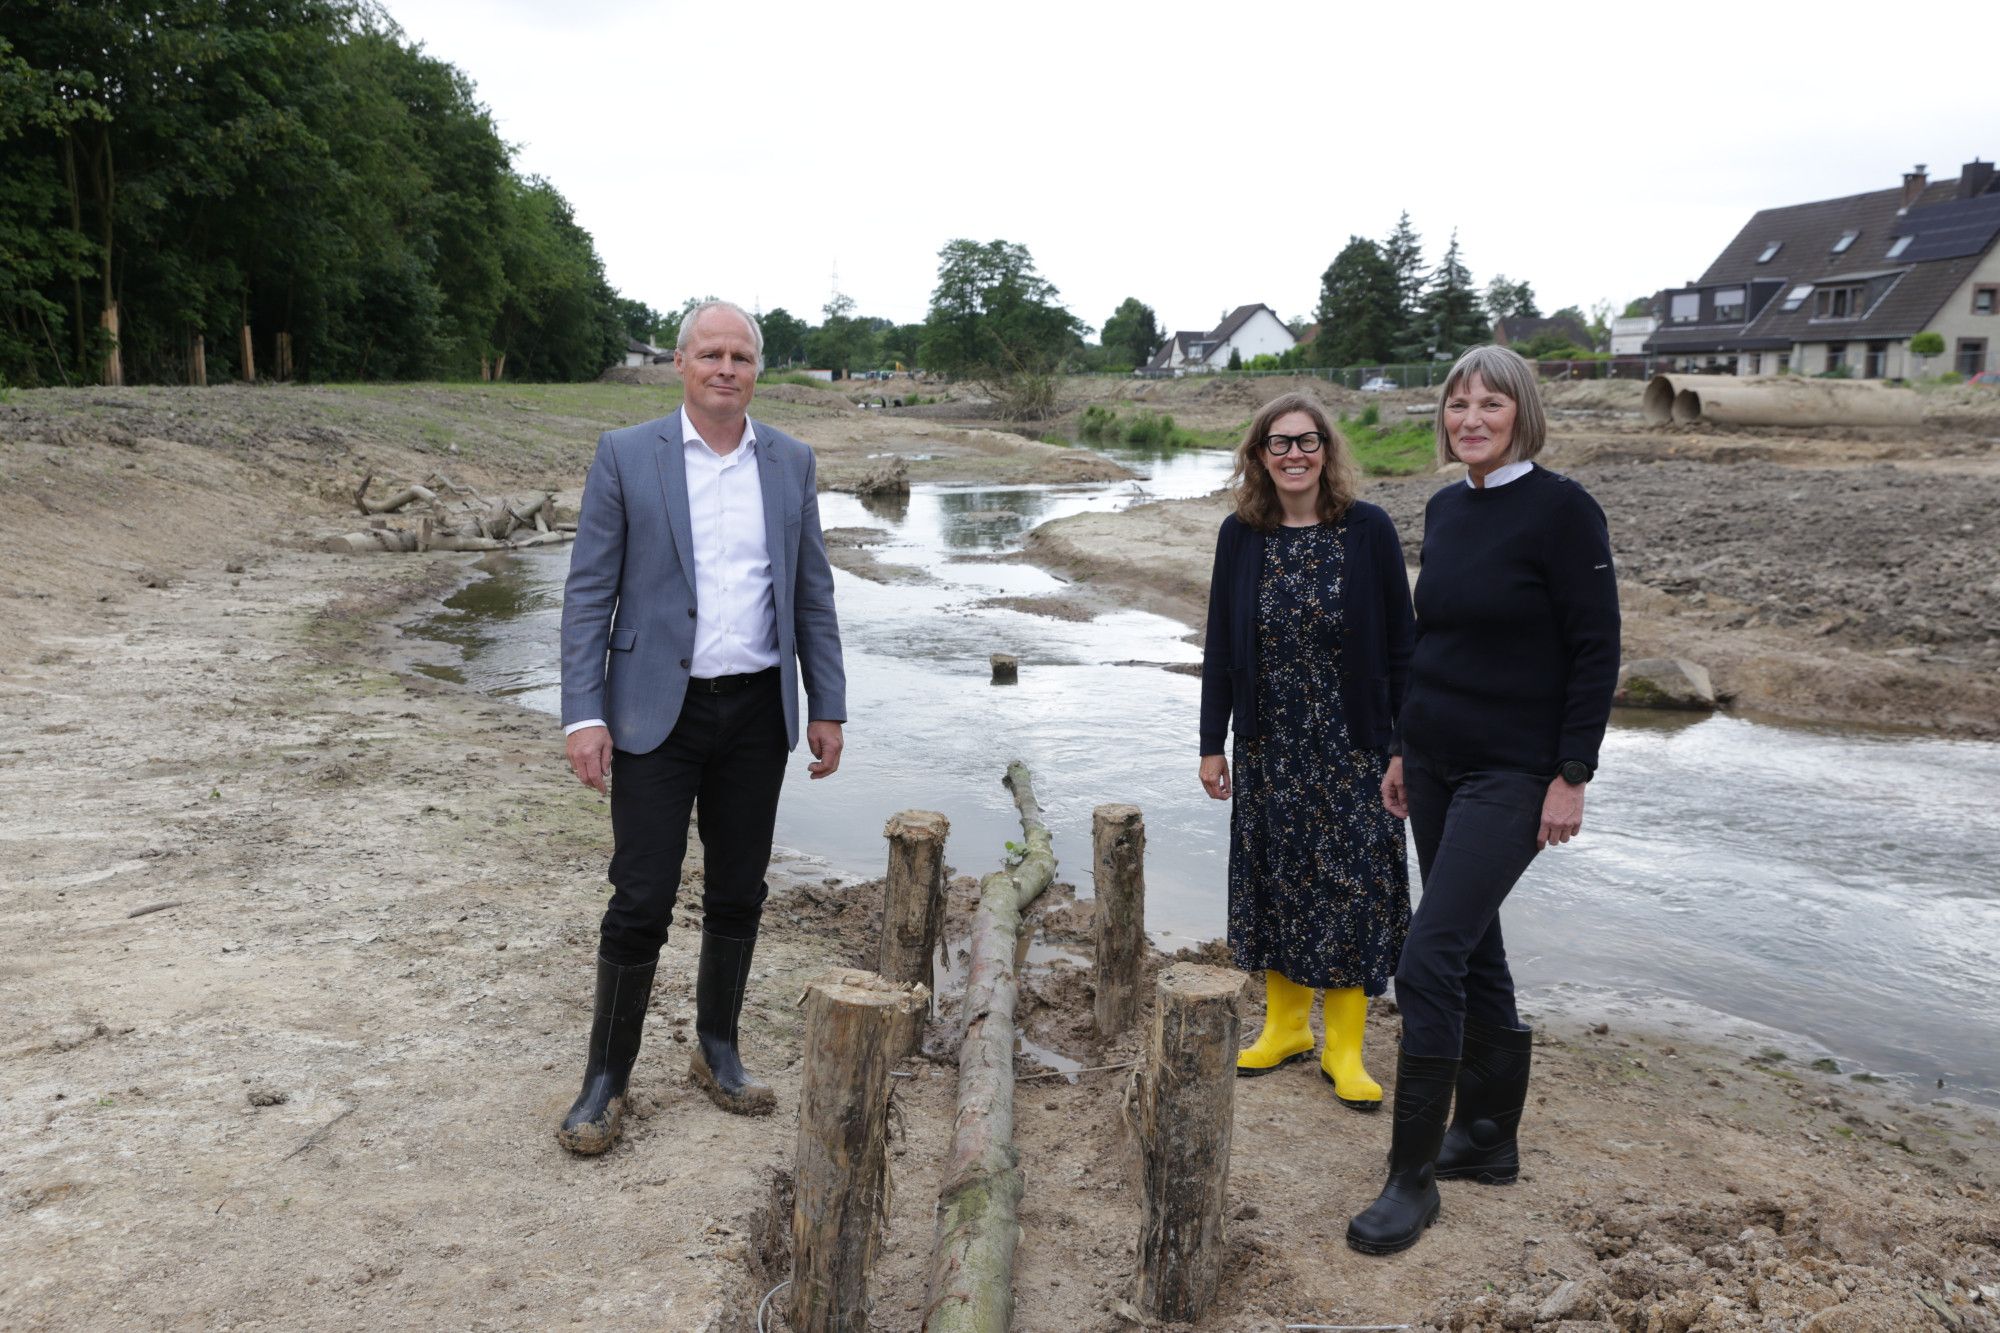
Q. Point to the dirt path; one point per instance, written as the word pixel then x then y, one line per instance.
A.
pixel 318 1090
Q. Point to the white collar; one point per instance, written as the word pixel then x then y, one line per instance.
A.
pixel 691 436
pixel 1503 474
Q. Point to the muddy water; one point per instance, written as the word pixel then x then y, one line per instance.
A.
pixel 1841 887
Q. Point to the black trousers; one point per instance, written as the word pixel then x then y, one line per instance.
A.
pixel 1475 832
pixel 725 761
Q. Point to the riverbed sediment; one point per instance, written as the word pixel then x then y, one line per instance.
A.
pixel 337 1056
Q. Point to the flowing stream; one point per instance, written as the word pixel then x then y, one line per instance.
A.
pixel 1835 889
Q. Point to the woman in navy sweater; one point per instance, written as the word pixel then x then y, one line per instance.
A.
pixel 1309 628
pixel 1510 689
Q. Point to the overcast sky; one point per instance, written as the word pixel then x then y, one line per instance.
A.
pixel 1205 156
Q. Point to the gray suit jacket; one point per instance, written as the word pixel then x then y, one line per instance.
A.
pixel 629 605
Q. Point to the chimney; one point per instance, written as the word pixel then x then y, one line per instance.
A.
pixel 1913 185
pixel 1974 179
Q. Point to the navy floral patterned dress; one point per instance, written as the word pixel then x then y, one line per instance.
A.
pixel 1319 883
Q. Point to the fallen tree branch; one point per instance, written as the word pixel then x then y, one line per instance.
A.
pixel 407 496
pixel 972 1266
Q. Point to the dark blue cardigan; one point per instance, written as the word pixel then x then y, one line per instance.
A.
pixel 1378 629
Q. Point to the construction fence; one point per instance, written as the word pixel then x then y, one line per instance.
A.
pixel 1424 374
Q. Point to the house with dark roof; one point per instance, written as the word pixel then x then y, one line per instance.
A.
pixel 1516 330
pixel 645 354
pixel 1247 331
pixel 1842 285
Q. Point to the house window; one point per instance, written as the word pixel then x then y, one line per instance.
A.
pixel 1985 300
pixel 1729 304
pixel 1847 238
pixel 1686 307
pixel 1837 303
pixel 1797 295
pixel 1784 363
pixel 1756 363
pixel 1836 356
pixel 1770 252
pixel 1971 357
pixel 1902 244
pixel 1877 364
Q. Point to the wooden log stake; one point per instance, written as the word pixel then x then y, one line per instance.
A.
pixel 1118 874
pixel 284 365
pixel 842 1171
pixel 1185 1106
pixel 249 357
pixel 913 907
pixel 114 360
pixel 1006 669
pixel 198 363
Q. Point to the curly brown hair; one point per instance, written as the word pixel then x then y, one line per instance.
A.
pixel 1256 497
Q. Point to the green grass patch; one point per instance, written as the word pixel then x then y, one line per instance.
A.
pixel 1152 430
pixel 1399 449
pixel 1826 1066
pixel 792 377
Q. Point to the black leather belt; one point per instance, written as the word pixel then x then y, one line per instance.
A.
pixel 729 684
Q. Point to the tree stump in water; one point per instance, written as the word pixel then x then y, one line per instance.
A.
pixel 1118 876
pixel 1185 1103
pixel 913 908
pixel 1006 669
pixel 842 1171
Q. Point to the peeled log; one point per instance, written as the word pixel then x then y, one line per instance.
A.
pixel 1185 1108
pixel 972 1268
pixel 1782 400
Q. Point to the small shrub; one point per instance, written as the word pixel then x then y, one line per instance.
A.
pixel 1837 373
pixel 1927 344
pixel 1951 377
pixel 1098 421
pixel 1371 415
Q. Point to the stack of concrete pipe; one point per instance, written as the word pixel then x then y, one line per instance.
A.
pixel 1784 400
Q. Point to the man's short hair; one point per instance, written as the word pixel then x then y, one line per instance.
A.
pixel 694 316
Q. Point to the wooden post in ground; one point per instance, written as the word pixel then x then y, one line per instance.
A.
pixel 1006 669
pixel 114 360
pixel 1118 875
pixel 284 357
pixel 1185 1101
pixel 500 367
pixel 485 368
pixel 249 363
pixel 913 908
pixel 842 1171
pixel 198 363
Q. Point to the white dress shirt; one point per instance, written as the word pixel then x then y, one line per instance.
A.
pixel 736 620
pixel 1503 474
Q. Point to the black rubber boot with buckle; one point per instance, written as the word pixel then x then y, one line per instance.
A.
pixel 716 1067
pixel 1409 1200
pixel 1492 1090
pixel 594 1122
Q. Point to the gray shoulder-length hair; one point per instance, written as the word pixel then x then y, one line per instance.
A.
pixel 694 315
pixel 1504 371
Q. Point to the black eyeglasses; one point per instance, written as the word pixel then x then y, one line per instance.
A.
pixel 1280 445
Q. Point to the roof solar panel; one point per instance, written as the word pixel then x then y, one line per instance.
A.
pixel 1950 230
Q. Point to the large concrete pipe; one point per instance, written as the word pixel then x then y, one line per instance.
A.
pixel 1783 400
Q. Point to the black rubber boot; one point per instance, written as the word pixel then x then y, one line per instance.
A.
pixel 718 1003
pixel 1492 1089
pixel 1409 1201
pixel 593 1123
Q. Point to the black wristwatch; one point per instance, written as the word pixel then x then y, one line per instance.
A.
pixel 1575 772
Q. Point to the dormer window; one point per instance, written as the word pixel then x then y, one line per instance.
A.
pixel 1902 244
pixel 1847 238
pixel 1729 304
pixel 1770 252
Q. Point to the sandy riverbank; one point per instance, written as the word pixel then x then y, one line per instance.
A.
pixel 317 1090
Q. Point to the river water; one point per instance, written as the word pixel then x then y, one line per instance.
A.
pixel 1833 889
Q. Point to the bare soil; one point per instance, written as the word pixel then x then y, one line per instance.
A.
pixel 316 1087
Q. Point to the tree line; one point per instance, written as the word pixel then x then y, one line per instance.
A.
pixel 296 168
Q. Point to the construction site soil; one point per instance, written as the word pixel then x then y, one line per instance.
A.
pixel 301 938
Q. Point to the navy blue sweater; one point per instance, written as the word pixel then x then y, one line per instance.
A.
pixel 1375 630
pixel 1517 627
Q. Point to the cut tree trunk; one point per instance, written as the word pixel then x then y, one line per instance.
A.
pixel 913 906
pixel 842 1169
pixel 972 1268
pixel 1118 871
pixel 1185 1106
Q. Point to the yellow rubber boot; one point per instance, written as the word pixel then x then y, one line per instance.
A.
pixel 1286 1035
pixel 1340 1063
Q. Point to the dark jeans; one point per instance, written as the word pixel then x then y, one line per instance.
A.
pixel 724 760
pixel 1475 832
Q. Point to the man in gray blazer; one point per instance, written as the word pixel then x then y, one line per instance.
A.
pixel 699 595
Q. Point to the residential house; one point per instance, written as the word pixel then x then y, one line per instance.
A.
pixel 1518 330
pixel 1842 285
pixel 1631 333
pixel 1247 331
pixel 645 354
